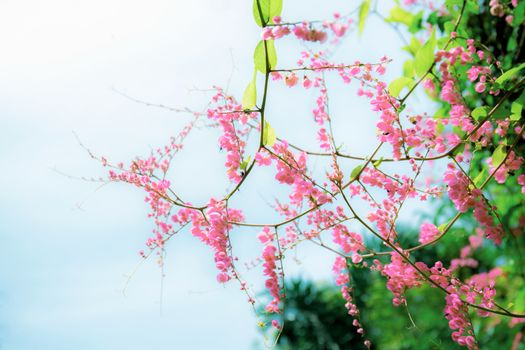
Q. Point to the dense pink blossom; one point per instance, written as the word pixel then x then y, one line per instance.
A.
pixel 323 196
pixel 427 233
pixel 456 313
pixel 269 257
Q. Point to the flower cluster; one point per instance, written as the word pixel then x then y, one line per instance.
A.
pixel 359 205
pixel 228 113
pixel 270 257
pixel 306 31
pixel 456 313
pixel 343 280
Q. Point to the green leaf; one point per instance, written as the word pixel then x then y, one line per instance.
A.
pixel 453 4
pixel 512 44
pixel 509 74
pixel 517 107
pixel 521 99
pixel 378 162
pixel 269 136
pixel 355 172
pixel 480 178
pixel 480 112
pixel 442 227
pixel 501 113
pixel 363 13
pixel 498 156
pixel 244 164
pixel 260 10
pixel 399 84
pixel 460 149
pixel 519 14
pixel 249 98
pixel 259 56
pixel 425 56
pixel 449 26
pixel 276 7
pixel 408 68
pixel 441 42
pixel 413 47
pixel 515 111
pixel 415 25
pixel 399 15
pixel 472 6
pixel 437 20
pixel 268 10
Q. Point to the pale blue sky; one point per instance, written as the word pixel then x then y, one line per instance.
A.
pixel 67 246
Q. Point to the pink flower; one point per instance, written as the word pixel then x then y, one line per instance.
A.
pixel 269 258
pixel 521 181
pixel 427 233
pixel 339 29
pixel 223 277
pixel 291 80
pixel 263 160
pixel 457 314
pixel 356 258
pixel 401 276
pixel 429 85
pixel 265 236
pixel 276 76
pixel 307 83
pixel 480 87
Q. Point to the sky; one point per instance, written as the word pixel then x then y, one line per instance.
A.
pixel 69 245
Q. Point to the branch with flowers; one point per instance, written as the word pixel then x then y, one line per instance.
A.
pixel 459 152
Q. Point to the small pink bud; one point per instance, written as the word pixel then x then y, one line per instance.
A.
pixel 223 277
pixel 307 83
pixel 291 80
pixel 480 87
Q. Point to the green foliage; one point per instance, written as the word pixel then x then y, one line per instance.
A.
pixel 265 10
pixel 479 112
pixel 480 178
pixel 245 163
pixel 519 14
pixel 399 15
pixel 498 156
pixel 408 68
pixel 269 136
pixel 315 319
pixel 517 107
pixel 508 75
pixel 417 326
pixel 397 85
pixel 355 172
pixel 425 56
pixel 413 47
pixel 363 14
pixel 412 21
pixel 249 98
pixel 515 111
pixel 263 49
